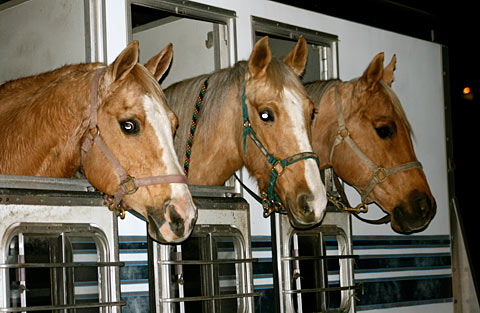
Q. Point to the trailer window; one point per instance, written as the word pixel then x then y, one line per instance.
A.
pixel 316 265
pixel 206 273
pixel 322 48
pixel 50 267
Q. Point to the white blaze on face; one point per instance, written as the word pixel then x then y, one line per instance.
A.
pixel 157 116
pixel 294 108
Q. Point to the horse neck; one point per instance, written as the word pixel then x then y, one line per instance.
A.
pixel 215 153
pixel 325 124
pixel 49 116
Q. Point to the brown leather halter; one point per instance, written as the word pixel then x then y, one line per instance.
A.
pixel 128 184
pixel 380 174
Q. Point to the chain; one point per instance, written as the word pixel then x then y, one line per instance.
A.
pixel 361 208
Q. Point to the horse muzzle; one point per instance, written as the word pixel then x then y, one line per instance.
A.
pixel 306 211
pixel 415 214
pixel 174 222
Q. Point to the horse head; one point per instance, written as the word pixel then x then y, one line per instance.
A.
pixel 279 115
pixel 137 126
pixel 373 151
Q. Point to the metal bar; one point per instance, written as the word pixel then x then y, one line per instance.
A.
pixel 201 262
pixel 64 307
pixel 56 265
pixel 210 298
pixel 322 289
pixel 45 183
pixel 22 274
pixel 324 257
pixel 179 273
pixel 296 272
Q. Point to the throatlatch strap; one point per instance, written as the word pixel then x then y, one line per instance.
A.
pixel 193 126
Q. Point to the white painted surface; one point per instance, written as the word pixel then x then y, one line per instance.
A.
pixel 40 42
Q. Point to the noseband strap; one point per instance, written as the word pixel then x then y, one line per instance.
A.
pixel 128 184
pixel 380 174
pixel 271 202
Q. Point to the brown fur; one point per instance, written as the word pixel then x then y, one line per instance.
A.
pixel 368 103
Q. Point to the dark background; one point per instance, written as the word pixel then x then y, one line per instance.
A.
pixel 454 25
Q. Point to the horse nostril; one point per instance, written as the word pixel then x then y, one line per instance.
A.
pixel 420 204
pixel 303 203
pixel 176 221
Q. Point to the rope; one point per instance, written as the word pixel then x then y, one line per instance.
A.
pixel 193 126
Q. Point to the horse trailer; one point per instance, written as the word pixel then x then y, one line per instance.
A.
pixel 62 249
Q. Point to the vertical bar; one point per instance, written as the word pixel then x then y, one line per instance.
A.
pixel 21 271
pixel 335 63
pixel 324 62
pixel 323 280
pixel 64 271
pixel 216 46
pixel 153 270
pixel 277 263
pixel 211 276
pixel 180 279
pixel 296 273
pixel 95 50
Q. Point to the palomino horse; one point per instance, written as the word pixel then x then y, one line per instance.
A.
pixel 111 121
pixel 270 140
pixel 362 132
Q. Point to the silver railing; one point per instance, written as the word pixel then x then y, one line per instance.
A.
pixel 58 247
pixel 305 276
pixel 212 270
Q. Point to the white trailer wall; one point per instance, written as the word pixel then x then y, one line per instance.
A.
pixel 39 36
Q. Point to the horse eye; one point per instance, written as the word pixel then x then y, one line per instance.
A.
pixel 312 115
pixel 129 127
pixel 267 116
pixel 386 131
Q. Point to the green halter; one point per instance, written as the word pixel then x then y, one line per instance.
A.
pixel 271 202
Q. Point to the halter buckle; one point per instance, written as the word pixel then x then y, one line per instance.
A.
pixel 380 174
pixel 119 210
pixel 344 133
pixel 276 168
pixel 270 207
pixel 128 185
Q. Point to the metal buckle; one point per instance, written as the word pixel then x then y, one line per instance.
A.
pixel 282 169
pixel 338 203
pixel 270 207
pixel 129 185
pixel 119 210
pixel 94 131
pixel 343 133
pixel 381 174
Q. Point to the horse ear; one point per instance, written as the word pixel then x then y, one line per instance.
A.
pixel 388 71
pixel 159 64
pixel 124 63
pixel 297 58
pixel 374 72
pixel 260 58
